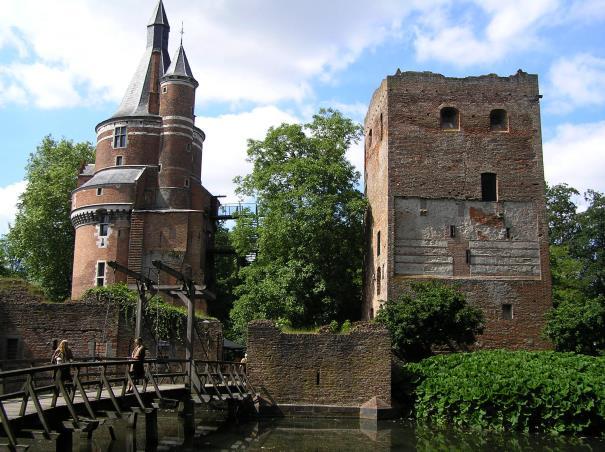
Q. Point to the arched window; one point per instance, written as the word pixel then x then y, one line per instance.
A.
pixel 498 120
pixel 450 118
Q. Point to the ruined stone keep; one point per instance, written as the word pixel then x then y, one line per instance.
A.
pixel 143 198
pixel 455 184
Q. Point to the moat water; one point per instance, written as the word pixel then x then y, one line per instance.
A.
pixel 212 433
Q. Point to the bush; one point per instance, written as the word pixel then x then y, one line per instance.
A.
pixel 578 325
pixel 504 390
pixel 431 314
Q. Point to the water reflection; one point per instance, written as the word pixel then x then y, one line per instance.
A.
pixel 207 430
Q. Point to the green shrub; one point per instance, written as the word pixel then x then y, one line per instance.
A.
pixel 503 390
pixel 346 327
pixel 430 314
pixel 334 326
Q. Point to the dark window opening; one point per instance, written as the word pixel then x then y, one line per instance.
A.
pixel 100 274
pixel 378 243
pixel 119 160
pixel 489 187
pixel 508 233
pixel 164 89
pixel 186 182
pixel 507 311
pixel 104 226
pixel 450 118
pixel 119 137
pixel 371 313
pixel 381 126
pixel 468 257
pixel 12 348
pixel 452 231
pixel 99 191
pixel 370 138
pixel 317 378
pixel 378 280
pixel 498 120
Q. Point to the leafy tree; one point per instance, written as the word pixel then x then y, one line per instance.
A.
pixel 307 234
pixel 577 324
pixel 430 315
pixel 562 213
pixel 42 238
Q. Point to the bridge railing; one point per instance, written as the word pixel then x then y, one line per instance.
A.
pixel 79 383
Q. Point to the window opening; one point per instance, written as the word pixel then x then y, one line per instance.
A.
pixel 378 243
pixel 378 280
pixel 12 348
pixel 498 120
pixel 187 182
pixel 99 191
pixel 100 274
pixel 468 257
pixel 317 378
pixel 370 138
pixel 489 187
pixel 450 118
pixel 508 233
pixel 371 313
pixel 119 137
pixel 104 226
pixel 452 231
pixel 119 160
pixel 164 89
pixel 381 127
pixel 507 311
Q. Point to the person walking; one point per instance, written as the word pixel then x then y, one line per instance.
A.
pixel 63 355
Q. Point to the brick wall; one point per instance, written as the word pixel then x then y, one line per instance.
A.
pixel 320 369
pixel 35 323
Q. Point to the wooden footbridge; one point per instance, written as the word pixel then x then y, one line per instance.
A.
pixel 55 401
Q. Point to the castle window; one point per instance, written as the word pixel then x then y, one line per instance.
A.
pixel 370 138
pixel 450 118
pixel 104 226
pixel 378 280
pixel 119 160
pixel 489 187
pixel 381 126
pixel 119 137
pixel 99 191
pixel 508 233
pixel 452 231
pixel 507 311
pixel 100 273
pixel 188 147
pixel 378 243
pixel 498 120
pixel 164 89
pixel 187 182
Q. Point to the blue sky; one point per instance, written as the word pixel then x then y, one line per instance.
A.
pixel 64 66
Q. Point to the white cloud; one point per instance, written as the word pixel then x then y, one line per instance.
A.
pixel 260 51
pixel 575 82
pixel 9 196
pixel 511 27
pixel 226 144
pixel 576 156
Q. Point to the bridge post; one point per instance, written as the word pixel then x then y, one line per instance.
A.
pixel 151 427
pixel 64 440
pixel 190 329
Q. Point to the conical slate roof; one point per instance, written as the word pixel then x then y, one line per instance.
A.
pixel 180 66
pixel 136 98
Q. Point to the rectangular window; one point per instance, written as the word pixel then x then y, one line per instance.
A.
pixel 186 182
pixel 507 311
pixel 452 231
pixel 489 187
pixel 468 257
pixel 100 274
pixel 119 160
pixel 508 233
pixel 378 243
pixel 119 137
pixel 12 348
pixel 99 191
pixel 104 226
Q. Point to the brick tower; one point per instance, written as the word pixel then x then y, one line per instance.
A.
pixel 143 199
pixel 455 184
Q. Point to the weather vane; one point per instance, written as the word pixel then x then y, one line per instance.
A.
pixel 182 32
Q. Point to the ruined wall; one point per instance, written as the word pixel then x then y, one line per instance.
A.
pixel 440 224
pixel 320 369
pixel 34 323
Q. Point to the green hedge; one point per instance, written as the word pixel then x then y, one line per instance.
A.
pixel 504 390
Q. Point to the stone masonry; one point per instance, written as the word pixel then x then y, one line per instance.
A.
pixel 455 184
pixel 323 369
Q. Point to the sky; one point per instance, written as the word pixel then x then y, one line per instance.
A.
pixel 65 64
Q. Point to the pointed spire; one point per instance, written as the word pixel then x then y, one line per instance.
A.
pixel 179 68
pixel 159 16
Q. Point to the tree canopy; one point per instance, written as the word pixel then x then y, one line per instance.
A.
pixel 577 261
pixel 42 237
pixel 307 233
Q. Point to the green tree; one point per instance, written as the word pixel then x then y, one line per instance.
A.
pixel 42 237
pixel 562 213
pixel 307 235
pixel 430 315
